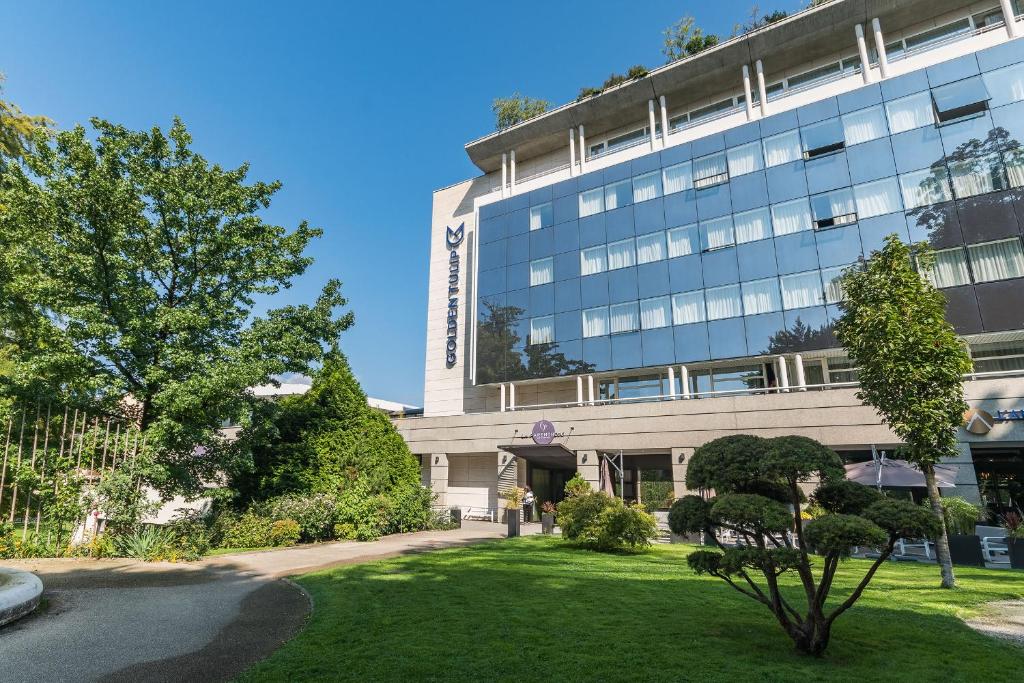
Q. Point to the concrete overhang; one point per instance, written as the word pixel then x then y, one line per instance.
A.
pixel 814 33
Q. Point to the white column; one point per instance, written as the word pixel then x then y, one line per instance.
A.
pixel 798 364
pixel 672 382
pixel 572 152
pixel 590 389
pixel 503 398
pixel 747 93
pixel 862 49
pixel 1010 18
pixel 583 151
pixel 504 175
pixel 883 62
pixel 761 91
pixel 651 120
pixel 664 122
pixel 579 389
pixel 783 373
pixel 512 174
pixel 684 380
pixel 511 396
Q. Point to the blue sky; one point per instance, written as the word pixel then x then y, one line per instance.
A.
pixel 360 109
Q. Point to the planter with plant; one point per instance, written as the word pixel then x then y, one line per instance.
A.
pixel 513 508
pixel 961 518
pixel 547 517
pixel 1013 522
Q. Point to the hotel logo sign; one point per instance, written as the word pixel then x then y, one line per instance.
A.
pixel 978 421
pixel 453 239
pixel 543 432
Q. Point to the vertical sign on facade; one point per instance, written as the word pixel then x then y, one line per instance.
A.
pixel 453 239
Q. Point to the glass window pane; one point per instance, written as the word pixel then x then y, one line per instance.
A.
pixel 618 195
pixel 877 198
pixel 790 217
pixel 1005 85
pixel 621 254
pixel 542 271
pixel 655 313
pixel 541 216
pixel 647 186
pixel 717 233
pixel 801 290
pixel 624 317
pixel 745 159
pixel 710 170
pixel 910 112
pixel 864 125
pixel 595 322
pixel 996 260
pixel 753 225
pixel 782 148
pixel 688 307
pixel 936 35
pixel 678 178
pixel 592 201
pixel 760 296
pixel 1013 159
pixel 738 379
pixel 977 176
pixel 650 247
pixel 927 186
pixel 833 289
pixel 961 99
pixel 542 330
pixel 682 241
pixel 814 75
pixel 723 302
pixel 950 269
pixel 822 138
pixel 833 208
pixel 593 260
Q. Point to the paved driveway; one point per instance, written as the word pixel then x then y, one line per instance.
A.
pixel 121 620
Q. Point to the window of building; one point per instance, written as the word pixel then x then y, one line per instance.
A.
pixel 961 100
pixel 655 313
pixel 989 18
pixel 761 296
pixel 801 290
pixel 831 279
pixel 541 216
pixel 864 125
pixel 650 247
pixel 924 187
pixel 717 233
pixel 594 260
pixel 833 209
pixel 928 39
pixel 542 330
pixel 950 269
pixel 647 186
pixel 619 388
pixel 618 195
pixel 688 307
pixel 877 198
pixel 1000 260
pixel 782 148
pixel 822 139
pixel 683 241
pixel 744 159
pixel 595 322
pixel 542 271
pixel 977 176
pixel 821 73
pixel 710 170
pixel 711 110
pixel 678 178
pixel 591 202
pixel 998 356
pixel 623 317
pixel 627 139
pixel 738 379
pixel 841 370
pixel 1013 159
pixel 908 113
pixel 723 302
pixel 1006 85
pixel 790 217
pixel 753 225
pixel 621 254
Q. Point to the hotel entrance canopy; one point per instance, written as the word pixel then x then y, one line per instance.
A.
pixel 551 456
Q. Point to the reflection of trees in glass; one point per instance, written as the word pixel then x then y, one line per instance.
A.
pixel 801 337
pixel 544 360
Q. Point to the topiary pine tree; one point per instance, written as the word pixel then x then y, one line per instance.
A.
pixel 757 485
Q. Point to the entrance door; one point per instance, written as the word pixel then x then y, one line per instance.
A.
pixel 548 484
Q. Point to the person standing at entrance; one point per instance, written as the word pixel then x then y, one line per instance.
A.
pixel 528 505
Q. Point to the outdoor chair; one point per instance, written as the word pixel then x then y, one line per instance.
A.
pixel 903 545
pixel 993 544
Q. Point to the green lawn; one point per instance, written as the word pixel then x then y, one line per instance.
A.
pixel 534 609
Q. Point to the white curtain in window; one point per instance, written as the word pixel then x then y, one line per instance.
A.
pixel 655 313
pixel 910 112
pixel 542 271
pixel 1005 85
pixel 591 202
pixel 678 178
pixel 877 198
pixel 950 269
pixel 647 186
pixel 833 290
pixel 744 159
pixel 688 307
pixel 864 125
pixel 593 260
pixel 801 290
pixel 595 322
pixel 617 194
pixel 717 233
pixel 753 225
pixel 783 148
pixel 974 176
pixel 709 166
pixel 650 247
pixel 621 254
pixel 996 260
pixel 1014 160
pixel 926 186
pixel 723 302
pixel 840 203
pixel 624 318
pixel 790 217
pixel 536 218
pixel 682 241
pixel 542 330
pixel 760 296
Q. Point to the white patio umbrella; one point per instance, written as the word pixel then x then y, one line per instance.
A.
pixel 883 472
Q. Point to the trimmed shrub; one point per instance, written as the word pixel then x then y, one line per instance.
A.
pixel 284 532
pixel 961 515
pixel 314 514
pixel 598 521
pixel 577 486
pixel 250 530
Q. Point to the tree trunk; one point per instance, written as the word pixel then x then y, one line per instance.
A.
pixel 942 541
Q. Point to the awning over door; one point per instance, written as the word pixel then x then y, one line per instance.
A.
pixel 551 456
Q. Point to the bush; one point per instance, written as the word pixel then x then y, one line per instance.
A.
pixel 577 486
pixel 406 508
pixel 250 530
pixel 961 516
pixel 314 514
pixel 285 532
pixel 596 520
pixel 656 495
pixel 149 543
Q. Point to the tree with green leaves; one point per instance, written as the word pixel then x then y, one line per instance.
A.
pixel 18 130
pixel 685 39
pixel 508 111
pixel 131 267
pixel 911 362
pixel 757 486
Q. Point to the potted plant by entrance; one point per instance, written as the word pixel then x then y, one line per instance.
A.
pixel 547 517
pixel 1014 525
pixel 513 508
pixel 964 545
